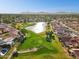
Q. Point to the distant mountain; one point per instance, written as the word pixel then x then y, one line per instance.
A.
pixel 43 13
pixel 34 12
pixel 49 13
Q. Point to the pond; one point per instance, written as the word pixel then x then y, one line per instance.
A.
pixel 38 27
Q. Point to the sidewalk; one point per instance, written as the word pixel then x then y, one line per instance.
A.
pixel 29 50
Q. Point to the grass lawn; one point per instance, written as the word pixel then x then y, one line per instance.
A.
pixel 28 24
pixel 32 40
pixel 50 50
pixel 23 25
pixel 1 58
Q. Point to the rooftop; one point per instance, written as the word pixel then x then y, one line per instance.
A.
pixel 9 34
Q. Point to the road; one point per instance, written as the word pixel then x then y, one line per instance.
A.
pixel 12 50
pixel 70 29
pixel 9 57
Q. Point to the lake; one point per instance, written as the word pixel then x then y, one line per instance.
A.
pixel 38 27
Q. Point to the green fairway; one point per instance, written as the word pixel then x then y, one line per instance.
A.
pixel 1 58
pixel 50 50
pixel 32 40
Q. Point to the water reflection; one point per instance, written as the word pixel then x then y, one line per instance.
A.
pixel 38 27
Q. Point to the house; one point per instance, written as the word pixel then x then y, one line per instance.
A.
pixel 74 53
pixel 70 42
pixel 8 34
pixel 65 40
pixel 74 43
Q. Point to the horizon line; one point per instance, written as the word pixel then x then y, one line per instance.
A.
pixel 36 12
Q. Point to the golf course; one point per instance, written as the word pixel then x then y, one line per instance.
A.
pixel 46 49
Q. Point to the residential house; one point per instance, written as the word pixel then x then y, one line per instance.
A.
pixel 8 34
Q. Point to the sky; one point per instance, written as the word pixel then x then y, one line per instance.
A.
pixel 15 6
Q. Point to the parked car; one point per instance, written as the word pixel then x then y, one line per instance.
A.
pixel 3 51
